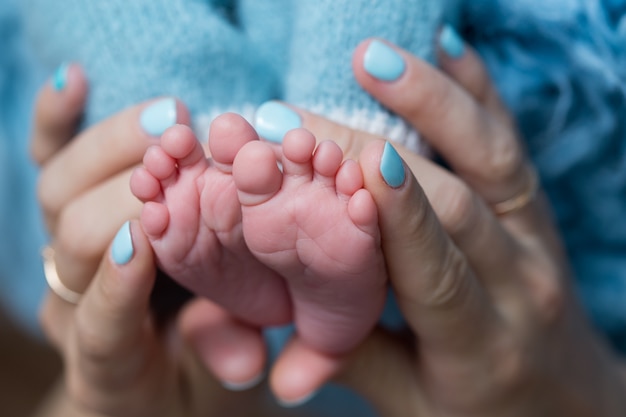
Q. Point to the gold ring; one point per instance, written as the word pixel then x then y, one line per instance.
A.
pixel 521 200
pixel 52 277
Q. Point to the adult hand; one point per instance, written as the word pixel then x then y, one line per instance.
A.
pixel 83 185
pixel 475 263
pixel 118 361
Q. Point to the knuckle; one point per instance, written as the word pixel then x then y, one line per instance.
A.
pixel 450 287
pixel 549 295
pixel 75 237
pixel 93 346
pixel 502 161
pixel 420 221
pixel 431 98
pixel 46 193
pixel 456 205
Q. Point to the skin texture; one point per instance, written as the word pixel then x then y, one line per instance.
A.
pixel 199 211
pixel 495 328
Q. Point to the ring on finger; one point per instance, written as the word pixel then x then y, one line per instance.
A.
pixel 520 200
pixel 53 280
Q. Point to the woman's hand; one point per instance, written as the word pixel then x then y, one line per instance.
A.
pixel 83 185
pixel 476 265
pixel 119 361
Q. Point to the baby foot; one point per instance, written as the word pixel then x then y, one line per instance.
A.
pixel 317 226
pixel 192 217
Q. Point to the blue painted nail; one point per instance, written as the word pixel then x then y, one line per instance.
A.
pixel 451 42
pixel 383 62
pixel 391 166
pixel 156 118
pixel 59 78
pixel 122 250
pixel 273 120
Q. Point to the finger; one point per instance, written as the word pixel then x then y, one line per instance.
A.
pixel 435 286
pixel 461 62
pixel 111 330
pixel 58 109
pixel 485 152
pixel 104 150
pixel 233 351
pixel 86 226
pixel 300 372
pixel 472 226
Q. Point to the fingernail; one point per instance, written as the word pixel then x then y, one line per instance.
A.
pixel 297 402
pixel 451 42
pixel 273 120
pixel 122 250
pixel 156 118
pixel 383 62
pixel 391 166
pixel 243 386
pixel 59 78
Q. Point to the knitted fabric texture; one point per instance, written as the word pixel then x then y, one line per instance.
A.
pixel 227 55
pixel 561 67
pixel 21 284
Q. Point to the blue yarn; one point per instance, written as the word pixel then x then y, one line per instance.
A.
pixel 133 51
pixel 21 285
pixel 567 87
pixel 232 55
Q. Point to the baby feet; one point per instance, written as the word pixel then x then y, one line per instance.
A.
pixel 192 217
pixel 268 245
pixel 315 225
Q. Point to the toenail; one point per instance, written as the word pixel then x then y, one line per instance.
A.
pixel 391 166
pixel 273 120
pixel 383 62
pixel 297 402
pixel 246 385
pixel 157 117
pixel 451 42
pixel 59 79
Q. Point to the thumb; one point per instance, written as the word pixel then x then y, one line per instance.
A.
pixel 111 317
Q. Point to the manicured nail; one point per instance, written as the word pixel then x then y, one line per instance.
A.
pixel 122 250
pixel 451 42
pixel 383 62
pixel 297 402
pixel 391 167
pixel 273 120
pixel 59 78
pixel 243 386
pixel 156 118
